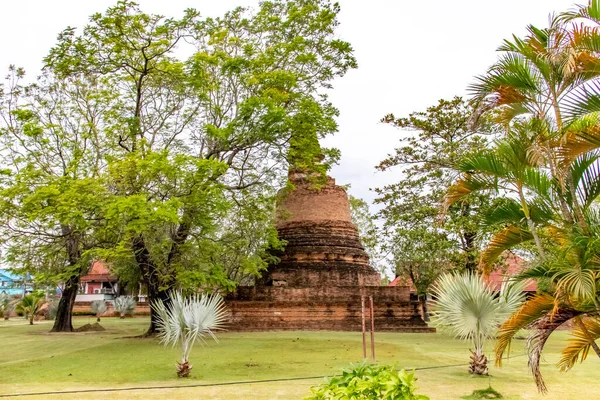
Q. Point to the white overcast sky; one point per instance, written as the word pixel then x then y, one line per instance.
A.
pixel 411 53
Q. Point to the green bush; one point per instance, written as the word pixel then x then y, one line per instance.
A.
pixel 366 381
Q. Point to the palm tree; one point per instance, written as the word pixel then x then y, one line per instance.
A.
pixel 188 320
pixel 551 80
pixel 124 305
pixel 98 307
pixel 31 304
pixel 467 308
pixel 508 169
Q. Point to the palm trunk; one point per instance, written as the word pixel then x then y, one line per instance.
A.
pixel 530 224
pixel 478 364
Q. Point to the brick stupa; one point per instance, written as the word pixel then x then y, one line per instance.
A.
pixel 323 273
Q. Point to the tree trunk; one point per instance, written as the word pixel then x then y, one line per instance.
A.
pixel 423 299
pixel 64 312
pixel 150 276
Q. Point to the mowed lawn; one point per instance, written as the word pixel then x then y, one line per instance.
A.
pixel 34 361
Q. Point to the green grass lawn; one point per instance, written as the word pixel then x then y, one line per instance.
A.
pixel 32 360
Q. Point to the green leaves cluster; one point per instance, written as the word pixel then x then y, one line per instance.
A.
pixel 422 244
pixel 367 381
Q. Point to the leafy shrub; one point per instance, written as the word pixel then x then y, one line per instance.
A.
pixel 366 382
pixel 52 309
pixel 483 394
pixel 7 305
pixel 125 305
pixel 98 307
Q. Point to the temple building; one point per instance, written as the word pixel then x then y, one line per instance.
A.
pixel 323 272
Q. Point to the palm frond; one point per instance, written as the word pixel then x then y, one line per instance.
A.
pixel 530 311
pixel 469 183
pixel 466 307
pixel 503 240
pixel 586 175
pixel 579 344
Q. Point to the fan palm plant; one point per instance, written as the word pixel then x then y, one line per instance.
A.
pixel 7 305
pixel 188 320
pixel 98 307
pixel 467 308
pixel 30 305
pixel 124 305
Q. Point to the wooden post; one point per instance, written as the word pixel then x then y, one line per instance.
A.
pixel 364 328
pixel 372 329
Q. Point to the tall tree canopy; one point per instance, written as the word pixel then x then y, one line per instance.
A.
pixel 420 242
pixel 187 153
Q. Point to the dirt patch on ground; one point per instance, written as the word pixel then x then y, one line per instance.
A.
pixel 95 327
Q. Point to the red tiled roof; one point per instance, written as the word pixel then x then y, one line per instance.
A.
pixel 401 281
pixel 514 265
pixel 99 272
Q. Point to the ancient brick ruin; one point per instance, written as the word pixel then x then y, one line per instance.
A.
pixel 323 273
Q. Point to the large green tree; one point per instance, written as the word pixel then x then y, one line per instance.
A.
pixel 192 148
pixel 53 196
pixel 420 243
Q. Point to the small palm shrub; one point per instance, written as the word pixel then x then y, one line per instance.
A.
pixel 7 306
pixel 188 320
pixel 366 382
pixel 98 308
pixel 52 309
pixel 125 305
pixel 467 308
pixel 30 305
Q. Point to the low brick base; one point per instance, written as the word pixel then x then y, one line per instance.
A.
pixel 323 308
pixel 81 307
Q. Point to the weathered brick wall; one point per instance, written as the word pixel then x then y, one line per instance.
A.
pixel 322 308
pixel 305 203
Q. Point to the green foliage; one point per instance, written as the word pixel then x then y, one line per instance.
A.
pixel 367 381
pixel 367 230
pixel 30 305
pixel 483 394
pixel 166 167
pixel 544 91
pixel 421 243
